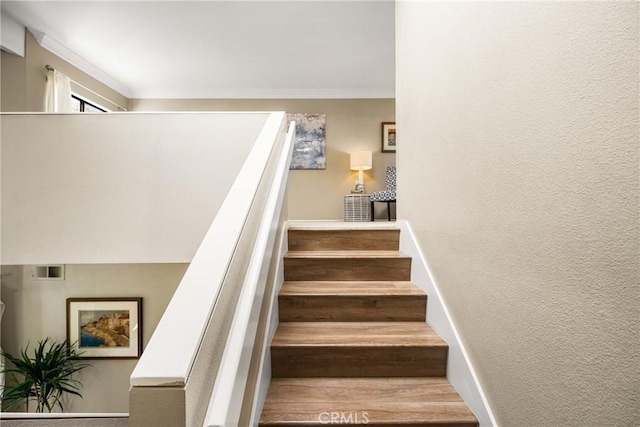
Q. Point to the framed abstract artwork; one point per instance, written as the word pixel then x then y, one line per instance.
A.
pixel 309 145
pixel 105 328
pixel 388 137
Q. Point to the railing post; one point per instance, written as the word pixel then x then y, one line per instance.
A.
pixel 157 407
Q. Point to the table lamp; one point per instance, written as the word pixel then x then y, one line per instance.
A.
pixel 361 161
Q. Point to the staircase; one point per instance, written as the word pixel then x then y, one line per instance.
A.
pixel 352 346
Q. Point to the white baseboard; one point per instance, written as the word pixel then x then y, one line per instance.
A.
pixel 460 371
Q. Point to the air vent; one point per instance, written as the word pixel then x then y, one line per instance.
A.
pixel 47 272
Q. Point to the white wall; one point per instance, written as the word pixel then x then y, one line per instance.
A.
pixel 36 309
pixel 518 160
pixel 116 188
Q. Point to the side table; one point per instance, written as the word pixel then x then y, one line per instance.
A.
pixel 357 207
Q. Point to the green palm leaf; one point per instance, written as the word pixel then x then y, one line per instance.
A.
pixel 47 375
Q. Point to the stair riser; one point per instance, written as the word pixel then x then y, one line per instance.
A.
pixel 314 361
pixel 347 269
pixel 344 240
pixel 370 308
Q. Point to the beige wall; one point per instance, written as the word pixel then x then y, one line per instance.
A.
pixel 352 124
pixel 13 78
pixel 24 80
pixel 36 309
pixel 518 130
pixel 117 188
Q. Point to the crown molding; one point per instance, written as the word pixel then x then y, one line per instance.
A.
pixel 63 52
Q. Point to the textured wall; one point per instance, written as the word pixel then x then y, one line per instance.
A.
pixel 518 170
pixel 352 124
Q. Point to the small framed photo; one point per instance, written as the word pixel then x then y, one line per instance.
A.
pixel 105 328
pixel 388 137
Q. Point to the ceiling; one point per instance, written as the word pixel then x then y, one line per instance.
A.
pixel 227 49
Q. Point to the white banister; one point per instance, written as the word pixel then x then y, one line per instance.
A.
pixel 170 354
pixel 227 397
pixel 173 382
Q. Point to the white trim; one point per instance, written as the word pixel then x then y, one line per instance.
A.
pixel 60 50
pixel 226 399
pixel 285 93
pixel 460 371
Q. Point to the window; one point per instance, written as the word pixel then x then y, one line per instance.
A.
pixel 79 105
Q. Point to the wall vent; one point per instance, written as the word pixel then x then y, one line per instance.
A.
pixel 47 272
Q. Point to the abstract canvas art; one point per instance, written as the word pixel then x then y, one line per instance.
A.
pixel 309 146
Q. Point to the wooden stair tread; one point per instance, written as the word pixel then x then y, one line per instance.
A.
pixel 351 301
pixel 350 288
pixel 347 265
pixel 356 334
pixel 406 389
pixel 345 254
pixel 387 414
pixel 408 401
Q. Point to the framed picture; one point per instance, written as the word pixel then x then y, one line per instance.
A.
pixel 105 328
pixel 388 137
pixel 309 145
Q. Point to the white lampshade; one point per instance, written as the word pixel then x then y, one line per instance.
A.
pixel 361 160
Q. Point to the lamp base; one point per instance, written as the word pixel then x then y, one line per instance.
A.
pixel 359 189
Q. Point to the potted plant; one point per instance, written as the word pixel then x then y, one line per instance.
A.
pixel 45 377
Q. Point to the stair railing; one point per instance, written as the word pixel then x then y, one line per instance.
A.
pixel 228 394
pixel 205 337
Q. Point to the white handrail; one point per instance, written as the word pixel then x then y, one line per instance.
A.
pixel 227 396
pixel 170 354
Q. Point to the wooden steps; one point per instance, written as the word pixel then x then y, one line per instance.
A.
pixel 383 401
pixel 347 265
pixel 357 349
pixel 359 301
pixel 352 346
pixel 350 239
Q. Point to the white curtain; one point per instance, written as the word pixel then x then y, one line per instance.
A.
pixel 58 94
